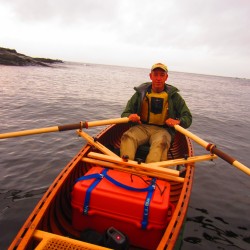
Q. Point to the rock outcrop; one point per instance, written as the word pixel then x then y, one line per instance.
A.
pixel 12 58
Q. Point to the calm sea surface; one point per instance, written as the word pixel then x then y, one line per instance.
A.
pixel 37 97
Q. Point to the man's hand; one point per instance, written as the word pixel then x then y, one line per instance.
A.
pixel 134 118
pixel 172 122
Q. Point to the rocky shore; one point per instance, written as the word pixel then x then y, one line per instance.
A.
pixel 12 58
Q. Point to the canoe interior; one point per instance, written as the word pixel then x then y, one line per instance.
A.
pixel 53 212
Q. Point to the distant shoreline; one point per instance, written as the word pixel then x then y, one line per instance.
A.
pixel 11 57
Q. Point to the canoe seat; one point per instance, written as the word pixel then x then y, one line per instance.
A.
pixel 53 241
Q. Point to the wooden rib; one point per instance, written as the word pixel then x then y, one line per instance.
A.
pixel 181 161
pixel 129 163
pixel 133 170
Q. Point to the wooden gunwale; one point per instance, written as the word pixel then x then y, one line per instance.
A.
pixel 33 221
pixel 171 234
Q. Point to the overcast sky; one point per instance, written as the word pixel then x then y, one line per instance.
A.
pixel 197 36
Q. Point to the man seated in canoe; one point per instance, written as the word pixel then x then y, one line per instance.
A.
pixel 154 109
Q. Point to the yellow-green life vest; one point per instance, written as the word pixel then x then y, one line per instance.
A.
pixel 154 108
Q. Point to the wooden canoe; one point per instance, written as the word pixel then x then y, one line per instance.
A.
pixel 49 226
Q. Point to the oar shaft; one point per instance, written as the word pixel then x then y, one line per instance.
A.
pixel 41 130
pixel 241 167
pixel 66 127
pixel 96 144
pixel 212 148
pixel 230 160
pixel 107 122
pixel 28 132
pixel 191 135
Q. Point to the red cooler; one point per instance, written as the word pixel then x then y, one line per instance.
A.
pixel 137 206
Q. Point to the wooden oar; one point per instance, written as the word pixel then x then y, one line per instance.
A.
pixel 130 163
pixel 137 171
pixel 96 144
pixel 213 149
pixel 79 125
pixel 180 161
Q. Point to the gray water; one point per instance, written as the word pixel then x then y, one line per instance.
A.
pixel 37 97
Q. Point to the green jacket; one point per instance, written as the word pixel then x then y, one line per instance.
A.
pixel 177 108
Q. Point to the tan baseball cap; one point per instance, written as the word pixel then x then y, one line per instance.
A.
pixel 159 66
